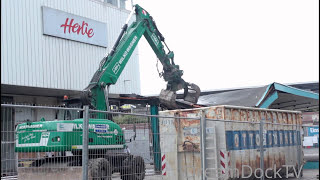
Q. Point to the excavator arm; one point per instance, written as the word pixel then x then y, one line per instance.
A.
pixel 113 64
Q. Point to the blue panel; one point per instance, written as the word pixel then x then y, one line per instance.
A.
pixel 299 138
pixel 269 139
pixel 272 138
pixel 257 139
pixel 294 139
pixel 244 140
pixel 281 138
pixel 287 138
pixel 276 139
pixel 229 135
pixel 252 140
pixel 313 131
pixel 311 165
pixel 236 140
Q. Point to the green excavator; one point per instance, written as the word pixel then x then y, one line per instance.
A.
pixel 107 146
pixel 111 66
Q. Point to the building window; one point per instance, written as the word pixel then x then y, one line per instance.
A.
pixel 117 3
pixel 122 4
pixel 112 2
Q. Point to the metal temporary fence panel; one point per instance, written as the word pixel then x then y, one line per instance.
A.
pixel 219 139
pixel 8 157
pixel 168 146
pixel 180 145
pixel 213 158
pixel 188 142
pixel 56 149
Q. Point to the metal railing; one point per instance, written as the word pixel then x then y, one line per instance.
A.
pixel 31 163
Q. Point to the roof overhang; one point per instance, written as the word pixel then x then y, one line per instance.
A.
pixel 279 96
pixel 15 90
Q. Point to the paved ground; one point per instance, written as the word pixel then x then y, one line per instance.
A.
pixel 308 174
pixel 311 154
pixel 150 175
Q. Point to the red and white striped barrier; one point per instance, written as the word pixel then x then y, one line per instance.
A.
pixel 224 159
pixel 229 163
pixel 163 165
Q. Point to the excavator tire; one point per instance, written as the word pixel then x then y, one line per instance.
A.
pixel 100 169
pixel 134 168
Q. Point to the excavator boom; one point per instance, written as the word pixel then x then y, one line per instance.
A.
pixel 113 64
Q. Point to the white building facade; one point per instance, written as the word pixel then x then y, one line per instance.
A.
pixel 38 51
pixel 52 48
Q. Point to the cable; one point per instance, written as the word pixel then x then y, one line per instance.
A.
pixel 160 73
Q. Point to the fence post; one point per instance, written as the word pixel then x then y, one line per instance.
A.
pixel 202 143
pixel 85 134
pixel 155 137
pixel 298 149
pixel 261 149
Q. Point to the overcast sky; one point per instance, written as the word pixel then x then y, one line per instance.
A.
pixel 234 43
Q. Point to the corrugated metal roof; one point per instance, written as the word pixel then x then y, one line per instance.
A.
pixel 244 97
pixel 273 96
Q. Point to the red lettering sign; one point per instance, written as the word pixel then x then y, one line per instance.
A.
pixel 77 28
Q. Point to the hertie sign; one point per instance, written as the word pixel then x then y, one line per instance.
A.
pixel 68 26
